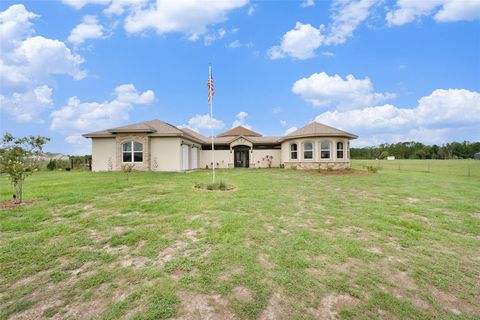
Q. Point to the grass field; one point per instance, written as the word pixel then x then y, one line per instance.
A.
pixel 285 244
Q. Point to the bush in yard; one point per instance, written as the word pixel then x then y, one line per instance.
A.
pixel 127 168
pixel 51 165
pixel 19 159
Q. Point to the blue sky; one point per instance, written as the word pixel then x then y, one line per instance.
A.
pixel 385 70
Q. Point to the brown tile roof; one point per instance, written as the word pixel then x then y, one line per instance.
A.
pixel 195 134
pixel 157 128
pixel 318 129
pixel 240 131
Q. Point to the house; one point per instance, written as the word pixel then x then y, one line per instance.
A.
pixel 159 146
pixel 476 156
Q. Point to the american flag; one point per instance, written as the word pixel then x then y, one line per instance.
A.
pixel 211 89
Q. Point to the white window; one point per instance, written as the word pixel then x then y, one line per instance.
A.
pixel 132 151
pixel 308 150
pixel 339 150
pixel 293 151
pixel 325 150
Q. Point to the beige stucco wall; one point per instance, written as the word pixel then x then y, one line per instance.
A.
pixel 223 157
pixel 316 162
pixel 104 154
pixel 258 158
pixel 165 153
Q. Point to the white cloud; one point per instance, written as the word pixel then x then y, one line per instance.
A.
pixel 234 44
pixel 276 110
pixel 347 16
pixel 283 122
pixel 190 17
pixel 118 7
pixel 198 122
pixel 444 115
pixel 88 29
pixel 240 120
pixel 322 90
pixel 308 3
pixel 299 43
pixel 28 65
pixel 28 106
pixel 302 41
pixel 208 39
pixel 80 117
pixel 442 10
pixel 250 10
pixel 290 130
pixel 328 54
pixel 79 4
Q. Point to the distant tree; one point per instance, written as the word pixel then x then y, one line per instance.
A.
pixel 51 165
pixel 19 158
pixel 383 155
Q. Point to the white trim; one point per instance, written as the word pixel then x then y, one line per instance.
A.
pixel 313 150
pixel 132 152
pixel 329 150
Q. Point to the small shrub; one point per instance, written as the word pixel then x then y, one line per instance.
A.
pixel 127 168
pixel 218 185
pixel 372 169
pixel 329 168
pixel 51 165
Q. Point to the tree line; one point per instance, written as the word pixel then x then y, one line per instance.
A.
pixel 418 150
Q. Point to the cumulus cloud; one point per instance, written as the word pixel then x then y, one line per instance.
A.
pixel 283 122
pixel 299 43
pixel 442 10
pixel 290 130
pixel 118 7
pixel 347 16
pixel 90 28
pixel 234 44
pixel 188 17
pixel 79 4
pixel 27 106
pixel 322 90
pixel 444 115
pixel 250 11
pixel 209 38
pixel 302 41
pixel 240 120
pixel 308 3
pixel 78 117
pixel 199 122
pixel 29 63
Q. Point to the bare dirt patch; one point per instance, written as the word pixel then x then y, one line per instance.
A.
pixel 413 200
pixel 452 303
pixel 332 304
pixel 203 306
pixel 264 261
pixel 6 205
pixel 275 309
pixel 230 273
pixel 335 172
pixel 242 293
pixel 376 250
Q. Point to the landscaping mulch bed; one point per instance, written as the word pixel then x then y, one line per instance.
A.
pixel 6 205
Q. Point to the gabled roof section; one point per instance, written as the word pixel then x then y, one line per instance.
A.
pixel 194 134
pixel 240 131
pixel 316 129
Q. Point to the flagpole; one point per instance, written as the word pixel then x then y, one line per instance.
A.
pixel 211 128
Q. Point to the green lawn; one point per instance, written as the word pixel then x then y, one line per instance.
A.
pixel 285 244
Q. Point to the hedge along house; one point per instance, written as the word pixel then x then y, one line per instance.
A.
pixel 158 146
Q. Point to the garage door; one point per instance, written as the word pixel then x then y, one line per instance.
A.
pixel 185 157
pixel 194 158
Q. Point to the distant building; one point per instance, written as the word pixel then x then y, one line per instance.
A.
pixel 391 158
pixel 476 156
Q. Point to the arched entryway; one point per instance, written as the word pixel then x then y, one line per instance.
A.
pixel 241 156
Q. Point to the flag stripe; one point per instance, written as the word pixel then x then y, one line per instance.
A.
pixel 211 89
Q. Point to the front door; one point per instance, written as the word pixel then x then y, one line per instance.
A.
pixel 241 158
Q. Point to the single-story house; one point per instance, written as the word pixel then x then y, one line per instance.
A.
pixel 159 146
